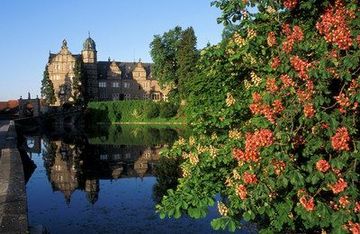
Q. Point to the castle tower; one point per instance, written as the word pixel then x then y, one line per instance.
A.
pixel 89 57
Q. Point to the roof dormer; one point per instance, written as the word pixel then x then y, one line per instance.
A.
pixel 139 72
pixel 114 70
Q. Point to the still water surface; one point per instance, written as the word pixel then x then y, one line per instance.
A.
pixel 102 182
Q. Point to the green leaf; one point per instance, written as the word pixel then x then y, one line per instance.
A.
pixel 247 215
pixel 216 223
pixel 232 226
pixel 177 214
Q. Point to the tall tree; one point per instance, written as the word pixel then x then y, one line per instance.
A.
pixel 163 53
pixel 174 54
pixel 47 88
pixel 186 57
pixel 78 82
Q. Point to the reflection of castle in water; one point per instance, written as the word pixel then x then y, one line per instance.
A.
pixel 71 167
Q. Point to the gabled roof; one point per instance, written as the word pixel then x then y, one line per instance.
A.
pixel 125 67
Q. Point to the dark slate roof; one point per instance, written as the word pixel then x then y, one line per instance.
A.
pixel 89 44
pixel 125 67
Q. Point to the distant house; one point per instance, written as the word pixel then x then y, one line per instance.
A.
pixel 9 106
pixel 104 80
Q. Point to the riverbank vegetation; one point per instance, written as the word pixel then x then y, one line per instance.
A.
pixel 275 110
pixel 134 111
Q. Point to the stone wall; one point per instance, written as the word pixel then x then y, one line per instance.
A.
pixel 13 204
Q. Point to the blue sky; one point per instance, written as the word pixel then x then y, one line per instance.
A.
pixel 122 30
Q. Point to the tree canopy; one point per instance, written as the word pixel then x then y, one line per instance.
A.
pixel 47 88
pixel 174 55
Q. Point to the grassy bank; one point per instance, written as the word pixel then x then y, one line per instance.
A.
pixel 133 111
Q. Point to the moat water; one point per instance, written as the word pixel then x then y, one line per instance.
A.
pixel 103 182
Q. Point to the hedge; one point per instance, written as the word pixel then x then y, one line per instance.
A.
pixel 127 111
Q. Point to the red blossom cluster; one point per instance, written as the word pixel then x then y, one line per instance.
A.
pixel 336 171
pixel 334 54
pixel 271 39
pixel 334 205
pixel 333 72
pixel 308 204
pixel 353 87
pixel 270 112
pixel 309 110
pixel 339 186
pixel 322 165
pixel 249 178
pixel 275 63
pixel 241 191
pixel 333 25
pixel 343 101
pixel 303 95
pixel 285 29
pixel 344 201
pixel 253 143
pixel 287 81
pixel 279 166
pixel 301 66
pixel 271 85
pixel 340 141
pixel 291 37
pixel 357 207
pixel 290 4
pixel 324 125
pixel 278 106
pixel 354 228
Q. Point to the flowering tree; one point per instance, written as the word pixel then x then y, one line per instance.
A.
pixel 293 164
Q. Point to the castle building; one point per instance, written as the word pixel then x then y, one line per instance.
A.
pixel 104 80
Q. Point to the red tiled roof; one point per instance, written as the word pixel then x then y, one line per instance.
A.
pixel 11 104
pixel 3 106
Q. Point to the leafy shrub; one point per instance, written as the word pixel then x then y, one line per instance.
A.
pixel 168 110
pixel 152 110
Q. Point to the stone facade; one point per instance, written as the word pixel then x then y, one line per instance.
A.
pixel 105 80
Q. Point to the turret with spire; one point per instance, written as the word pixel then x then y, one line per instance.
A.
pixel 89 53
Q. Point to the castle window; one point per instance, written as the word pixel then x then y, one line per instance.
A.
pixel 115 84
pixel 126 85
pixel 103 157
pixel 102 84
pixel 155 96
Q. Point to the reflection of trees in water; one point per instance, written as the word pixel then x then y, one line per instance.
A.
pixel 133 135
pixel 167 172
pixel 48 153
